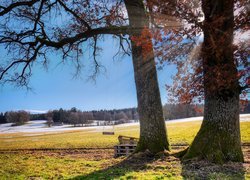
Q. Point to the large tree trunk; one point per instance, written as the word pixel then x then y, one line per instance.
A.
pixel 219 137
pixel 153 135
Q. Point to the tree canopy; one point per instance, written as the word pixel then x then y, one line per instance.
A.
pixel 188 83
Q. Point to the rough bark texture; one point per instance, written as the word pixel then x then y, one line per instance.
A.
pixel 218 140
pixel 153 135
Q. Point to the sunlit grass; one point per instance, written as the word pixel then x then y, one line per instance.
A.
pixel 62 164
pixel 25 166
pixel 21 166
pixel 181 133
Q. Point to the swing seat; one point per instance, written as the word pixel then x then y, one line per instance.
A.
pixel 108 133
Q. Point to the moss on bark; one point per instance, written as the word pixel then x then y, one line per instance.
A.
pixel 216 145
pixel 154 145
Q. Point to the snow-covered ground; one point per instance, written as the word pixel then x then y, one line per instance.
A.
pixel 243 117
pixel 40 127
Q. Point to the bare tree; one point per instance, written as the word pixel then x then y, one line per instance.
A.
pixel 89 21
pixel 49 117
pixel 74 118
pixel 19 117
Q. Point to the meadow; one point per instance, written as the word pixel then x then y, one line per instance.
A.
pixel 87 154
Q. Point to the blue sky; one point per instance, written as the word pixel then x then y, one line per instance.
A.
pixel 56 88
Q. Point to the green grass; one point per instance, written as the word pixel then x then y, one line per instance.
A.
pixel 22 166
pixel 177 132
pixel 99 164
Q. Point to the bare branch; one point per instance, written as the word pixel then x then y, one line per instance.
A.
pixel 74 14
pixel 87 34
pixel 15 5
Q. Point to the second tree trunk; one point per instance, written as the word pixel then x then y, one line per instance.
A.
pixel 218 139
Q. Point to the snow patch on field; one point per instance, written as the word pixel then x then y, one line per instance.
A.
pixel 185 120
pixel 40 127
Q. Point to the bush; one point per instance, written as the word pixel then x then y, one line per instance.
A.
pixel 19 117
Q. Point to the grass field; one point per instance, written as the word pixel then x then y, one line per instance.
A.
pixel 96 163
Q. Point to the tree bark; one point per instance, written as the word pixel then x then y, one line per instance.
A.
pixel 218 139
pixel 153 136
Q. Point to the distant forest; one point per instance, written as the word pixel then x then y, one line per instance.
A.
pixel 76 116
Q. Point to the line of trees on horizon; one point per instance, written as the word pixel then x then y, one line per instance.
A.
pixel 76 116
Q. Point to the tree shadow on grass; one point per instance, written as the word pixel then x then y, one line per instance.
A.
pixel 135 163
pixel 207 170
pixel 170 167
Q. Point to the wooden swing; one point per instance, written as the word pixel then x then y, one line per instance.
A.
pixel 111 132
